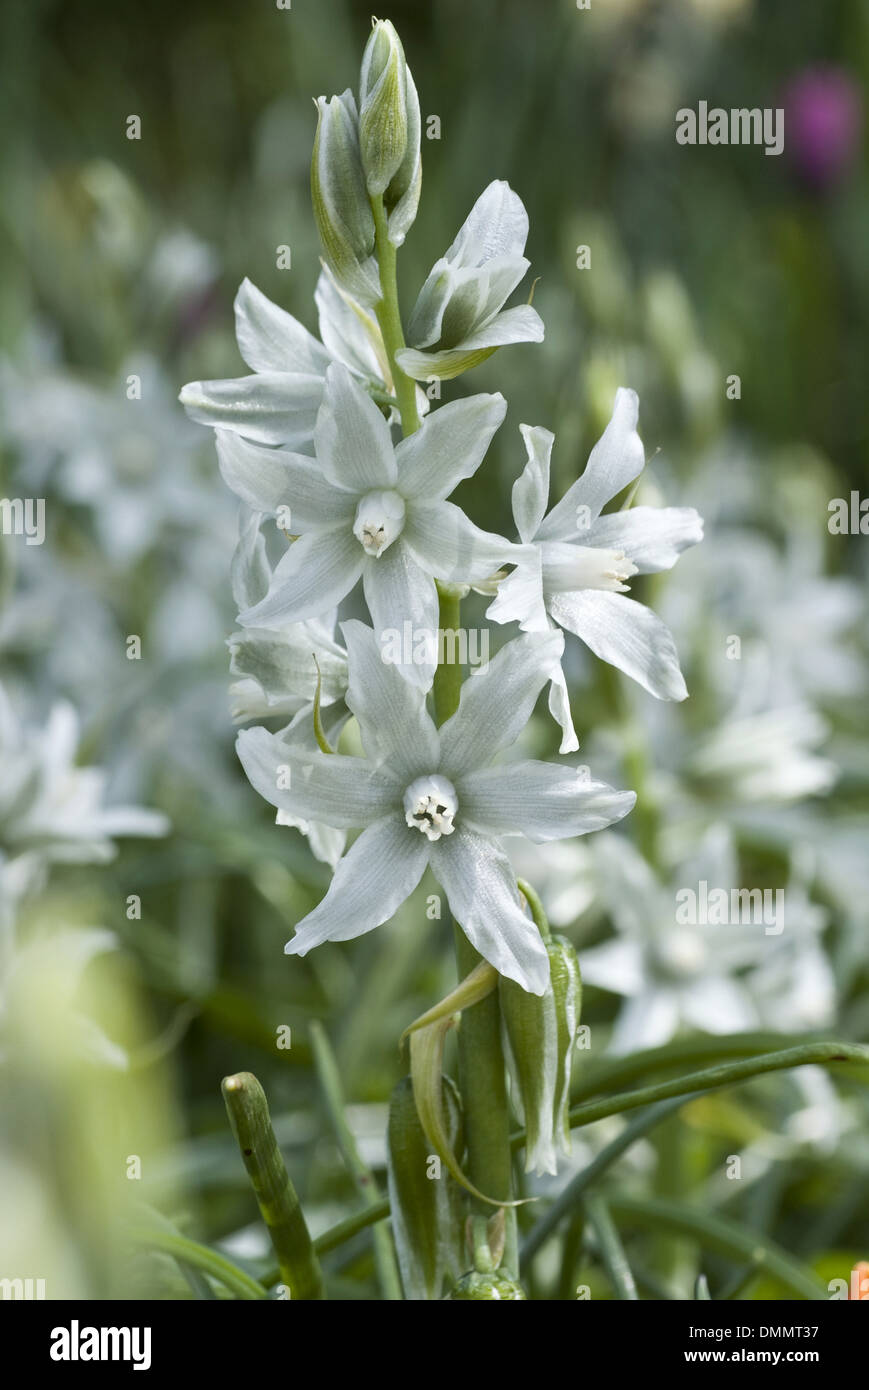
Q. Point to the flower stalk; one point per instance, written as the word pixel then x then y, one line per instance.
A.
pixel 389 318
pixel 248 1112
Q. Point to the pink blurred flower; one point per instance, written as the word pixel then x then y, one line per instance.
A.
pixel 823 120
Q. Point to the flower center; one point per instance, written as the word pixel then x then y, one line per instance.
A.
pixel 430 803
pixel 568 567
pixel 379 519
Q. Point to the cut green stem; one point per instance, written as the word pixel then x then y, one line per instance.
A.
pixel 281 1210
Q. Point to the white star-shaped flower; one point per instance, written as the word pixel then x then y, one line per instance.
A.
pixel 580 561
pixel 425 795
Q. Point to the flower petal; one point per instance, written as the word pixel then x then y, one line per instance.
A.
pixel 559 708
pixel 250 568
pixel 497 225
pixel 478 880
pixel 267 479
pixel 543 801
pixel 271 340
pixel 403 603
pixel 270 408
pixel 449 446
pixel 317 571
pixel 287 663
pixel 349 331
pixel 652 537
pixel 520 595
pixel 395 724
pixel 449 546
pixel 531 488
pixel 497 700
pixel 520 325
pixel 377 873
pixel 616 459
pixel 627 635
pixel 339 791
pixel 351 437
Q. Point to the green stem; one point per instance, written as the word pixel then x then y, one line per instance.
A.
pixel 341 1232
pixel 611 1249
pixel 330 1083
pixel 541 921
pixel 728 1238
pixel 200 1257
pixel 389 318
pixel 276 1197
pixel 448 677
pixel 482 1076
pixel 615 1073
pixel 810 1054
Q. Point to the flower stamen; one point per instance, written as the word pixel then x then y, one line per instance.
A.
pixel 430 804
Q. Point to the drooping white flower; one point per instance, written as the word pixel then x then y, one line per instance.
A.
pixel 280 672
pixel 278 667
pixel 581 561
pixel 459 317
pixel 278 404
pixel 425 795
pixel 371 511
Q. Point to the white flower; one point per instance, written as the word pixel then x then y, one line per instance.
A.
pixel 671 973
pixel 371 511
pixel 764 756
pixel 279 403
pixel 50 810
pixel 135 462
pixel 278 667
pixel 279 671
pixel 582 560
pixel 459 318
pixel 427 796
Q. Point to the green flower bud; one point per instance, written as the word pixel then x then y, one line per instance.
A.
pixel 426 1209
pixel 531 1036
pixel 389 129
pixel 341 207
pixel 567 990
pixel 494 1286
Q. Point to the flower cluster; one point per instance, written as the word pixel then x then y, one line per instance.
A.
pixel 308 445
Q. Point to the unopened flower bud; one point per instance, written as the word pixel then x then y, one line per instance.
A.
pixel 389 128
pixel 424 1200
pixel 567 990
pixel 497 1286
pixel 341 207
pixel 531 1030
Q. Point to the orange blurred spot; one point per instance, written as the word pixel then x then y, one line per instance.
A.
pixel 859 1282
